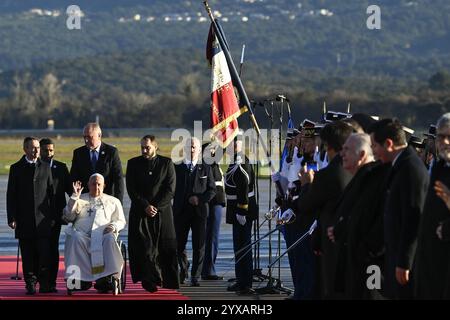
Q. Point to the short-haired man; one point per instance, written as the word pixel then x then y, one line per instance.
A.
pixel 97 157
pixel 152 242
pixel 318 197
pixel 406 188
pixel 358 231
pixel 62 185
pixel 432 267
pixel 31 213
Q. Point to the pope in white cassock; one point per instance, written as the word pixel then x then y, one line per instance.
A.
pixel 91 245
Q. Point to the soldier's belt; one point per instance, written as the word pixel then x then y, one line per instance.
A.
pixel 234 197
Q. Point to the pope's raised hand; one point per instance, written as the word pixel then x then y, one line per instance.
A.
pixel 77 188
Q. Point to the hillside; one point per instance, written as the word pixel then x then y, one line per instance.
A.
pixel 155 50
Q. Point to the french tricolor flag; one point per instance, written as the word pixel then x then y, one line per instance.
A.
pixel 224 104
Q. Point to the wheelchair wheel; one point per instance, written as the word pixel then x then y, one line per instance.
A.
pixel 123 275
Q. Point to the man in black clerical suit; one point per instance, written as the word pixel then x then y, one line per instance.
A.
pixel 62 185
pixel 406 189
pixel 97 157
pixel 31 213
pixel 195 188
pixel 152 242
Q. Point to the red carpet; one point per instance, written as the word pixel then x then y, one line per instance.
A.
pixel 15 289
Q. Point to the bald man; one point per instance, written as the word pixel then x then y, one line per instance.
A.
pixel 195 188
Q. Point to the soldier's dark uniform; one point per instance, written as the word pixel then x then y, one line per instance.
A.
pixel 239 182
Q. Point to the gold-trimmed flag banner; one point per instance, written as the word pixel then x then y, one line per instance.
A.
pixel 224 105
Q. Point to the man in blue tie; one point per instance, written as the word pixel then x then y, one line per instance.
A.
pixel 98 157
pixel 195 188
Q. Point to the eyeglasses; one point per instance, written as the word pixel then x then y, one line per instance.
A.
pixel 443 137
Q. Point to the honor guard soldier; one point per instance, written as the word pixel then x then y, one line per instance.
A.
pixel 242 209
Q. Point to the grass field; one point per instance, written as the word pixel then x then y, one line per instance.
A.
pixel 128 147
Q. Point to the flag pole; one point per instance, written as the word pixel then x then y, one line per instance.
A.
pixel 242 60
pixel 239 86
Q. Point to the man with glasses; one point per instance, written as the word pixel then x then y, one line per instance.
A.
pixel 432 268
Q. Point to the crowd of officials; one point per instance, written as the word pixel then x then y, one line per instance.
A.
pixel 379 195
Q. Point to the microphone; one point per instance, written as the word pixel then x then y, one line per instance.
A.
pixel 281 97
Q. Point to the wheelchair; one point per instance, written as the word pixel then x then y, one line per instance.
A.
pixel 116 285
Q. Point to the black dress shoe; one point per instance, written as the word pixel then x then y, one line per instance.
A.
pixel 246 292
pixel 44 289
pixel 212 277
pixel 31 288
pixel 150 287
pixel 234 287
pixel 194 283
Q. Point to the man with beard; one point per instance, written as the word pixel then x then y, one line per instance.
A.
pixel 359 228
pixel 432 268
pixel 150 181
pixel 62 185
pixel 406 187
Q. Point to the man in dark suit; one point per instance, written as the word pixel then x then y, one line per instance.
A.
pixel 97 157
pixel 30 206
pixel 318 197
pixel 195 188
pixel 359 225
pixel 62 186
pixel 432 265
pixel 152 242
pixel 216 208
pixel 406 188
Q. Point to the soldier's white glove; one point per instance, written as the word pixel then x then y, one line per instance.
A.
pixel 241 219
pixel 276 176
pixel 287 215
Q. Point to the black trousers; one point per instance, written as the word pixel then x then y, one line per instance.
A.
pixel 36 254
pixel 192 218
pixel 54 255
pixel 242 237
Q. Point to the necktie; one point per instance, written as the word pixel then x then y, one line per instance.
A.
pixel 93 158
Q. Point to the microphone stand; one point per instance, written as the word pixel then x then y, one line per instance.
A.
pixel 279 284
pixel 273 285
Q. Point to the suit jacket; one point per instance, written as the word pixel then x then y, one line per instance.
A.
pixel 204 187
pixel 108 165
pixel 432 262
pixel 30 199
pixel 404 201
pixel 359 230
pixel 62 184
pixel 318 201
